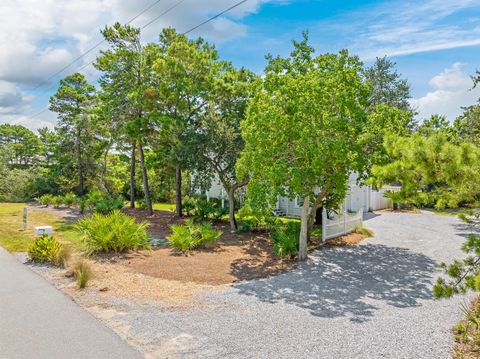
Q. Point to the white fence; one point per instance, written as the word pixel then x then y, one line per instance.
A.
pixel 341 223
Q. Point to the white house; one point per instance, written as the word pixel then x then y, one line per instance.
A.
pixel 358 197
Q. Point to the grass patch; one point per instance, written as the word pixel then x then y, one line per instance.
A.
pixel 364 231
pixel 467 333
pixel 14 239
pixel 170 207
pixel 83 273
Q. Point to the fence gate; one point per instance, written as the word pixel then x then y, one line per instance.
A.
pixel 341 223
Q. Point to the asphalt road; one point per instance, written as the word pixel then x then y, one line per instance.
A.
pixel 38 321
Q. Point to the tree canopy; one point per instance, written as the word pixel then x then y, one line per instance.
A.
pixel 301 129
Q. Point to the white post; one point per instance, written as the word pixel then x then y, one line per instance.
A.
pixel 25 218
pixel 222 195
pixel 324 224
pixel 345 220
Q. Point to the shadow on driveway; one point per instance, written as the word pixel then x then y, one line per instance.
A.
pixel 338 282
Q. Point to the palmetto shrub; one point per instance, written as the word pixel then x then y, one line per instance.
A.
pixel 285 239
pixel 69 199
pixel 189 236
pixel 45 200
pixel 115 232
pixel 99 202
pixel 45 249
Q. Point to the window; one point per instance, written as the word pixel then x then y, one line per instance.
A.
pixel 299 201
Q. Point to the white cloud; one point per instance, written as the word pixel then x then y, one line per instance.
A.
pixel 451 92
pixel 38 38
pixel 396 28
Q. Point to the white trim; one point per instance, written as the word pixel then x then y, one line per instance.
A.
pixel 295 202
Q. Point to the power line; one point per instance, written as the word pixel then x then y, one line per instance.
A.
pixel 216 16
pixel 151 22
pixel 92 48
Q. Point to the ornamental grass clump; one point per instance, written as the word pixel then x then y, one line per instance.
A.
pixel 82 273
pixel 114 232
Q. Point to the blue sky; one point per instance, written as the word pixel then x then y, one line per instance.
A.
pixel 434 43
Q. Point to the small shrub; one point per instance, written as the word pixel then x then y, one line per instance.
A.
pixel 188 206
pixel 45 249
pixel 202 210
pixel 190 236
pixel 57 201
pixel 259 220
pixel 115 232
pixel 69 199
pixel 142 204
pixel 82 273
pixel 99 202
pixel 286 239
pixel 246 225
pixel 365 231
pixel 45 200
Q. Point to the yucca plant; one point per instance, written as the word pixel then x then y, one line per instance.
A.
pixel 115 232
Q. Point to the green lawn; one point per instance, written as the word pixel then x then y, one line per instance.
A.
pixel 15 239
pixel 160 206
pixel 164 206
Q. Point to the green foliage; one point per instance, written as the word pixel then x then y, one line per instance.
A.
pixel 205 210
pixel 45 249
pixel 115 232
pixel 45 200
pixel 83 273
pixel 285 239
pixel 247 225
pixel 69 199
pixel 467 331
pixel 189 205
pixel 302 128
pixel 387 85
pixel 25 147
pixel 190 236
pixel 431 171
pixel 76 147
pixel 16 185
pixel 202 209
pixel 99 202
pixel 255 219
pixel 462 275
pixel 57 201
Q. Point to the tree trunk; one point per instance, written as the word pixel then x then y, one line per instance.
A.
pixel 178 191
pixel 133 162
pixel 231 209
pixel 78 153
pixel 146 189
pixel 302 250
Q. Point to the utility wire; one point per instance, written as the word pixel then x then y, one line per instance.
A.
pixel 92 48
pixel 216 16
pixel 143 27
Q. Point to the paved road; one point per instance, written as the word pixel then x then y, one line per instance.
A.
pixel 369 301
pixel 37 321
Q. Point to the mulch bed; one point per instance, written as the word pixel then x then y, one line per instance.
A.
pixel 236 257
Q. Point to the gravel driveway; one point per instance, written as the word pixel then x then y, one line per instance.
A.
pixel 368 301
